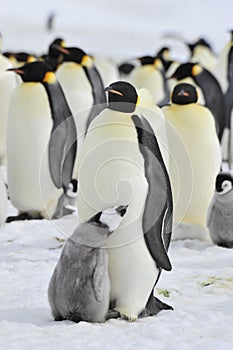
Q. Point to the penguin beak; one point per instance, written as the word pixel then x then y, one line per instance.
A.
pixel 183 93
pixel 16 70
pixel 61 49
pixel 109 89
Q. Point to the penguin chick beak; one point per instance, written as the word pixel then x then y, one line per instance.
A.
pixel 109 89
pixel 16 70
pixel 183 93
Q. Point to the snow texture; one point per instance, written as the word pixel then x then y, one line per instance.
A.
pixel 200 286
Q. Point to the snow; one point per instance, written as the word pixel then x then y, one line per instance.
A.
pixel 200 286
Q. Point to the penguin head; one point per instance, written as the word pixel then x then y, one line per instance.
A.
pixel 58 42
pixel 185 70
pixel 199 42
pixel 37 72
pixel 97 229
pixel 184 94
pixel 164 53
pixel 224 183
pixel 122 97
pixel 144 60
pixel 75 54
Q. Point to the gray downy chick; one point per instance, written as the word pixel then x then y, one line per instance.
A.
pixel 220 214
pixel 79 289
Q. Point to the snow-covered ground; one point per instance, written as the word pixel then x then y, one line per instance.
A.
pixel 200 286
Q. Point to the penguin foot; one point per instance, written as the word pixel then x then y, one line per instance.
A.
pixel 22 216
pixel 112 314
pixel 154 306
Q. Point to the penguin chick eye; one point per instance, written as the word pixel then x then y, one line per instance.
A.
pixel 226 186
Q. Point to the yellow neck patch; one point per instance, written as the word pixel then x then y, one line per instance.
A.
pixel 49 78
pixel 196 69
pixel 86 61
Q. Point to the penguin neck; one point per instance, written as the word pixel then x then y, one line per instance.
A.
pixel 57 99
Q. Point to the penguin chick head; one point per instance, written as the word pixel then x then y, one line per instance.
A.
pixel 185 70
pixel 37 72
pixel 97 229
pixel 122 97
pixel 184 94
pixel 74 54
pixel 224 183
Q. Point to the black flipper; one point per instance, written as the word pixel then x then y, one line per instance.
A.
pixel 157 216
pixel 98 92
pixel 63 139
pixel 229 104
pixel 154 306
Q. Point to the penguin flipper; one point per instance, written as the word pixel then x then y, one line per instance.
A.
pixel 157 216
pixel 62 152
pixel 210 212
pixel 99 96
pixel 99 276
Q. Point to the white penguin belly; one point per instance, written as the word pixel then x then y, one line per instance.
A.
pixel 29 126
pixel 112 173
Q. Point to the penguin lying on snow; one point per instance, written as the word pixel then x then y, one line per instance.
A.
pixel 220 215
pixel 41 139
pixel 122 158
pixel 79 289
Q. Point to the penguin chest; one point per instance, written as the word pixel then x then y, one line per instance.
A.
pixel 28 134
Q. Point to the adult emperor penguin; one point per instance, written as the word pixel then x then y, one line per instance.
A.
pixel 41 142
pixel 83 89
pixel 79 289
pixel 54 58
pixel 220 215
pixel 195 160
pixel 121 164
pixel 201 52
pixel 225 75
pixel 150 75
pixel 210 88
pixel 7 85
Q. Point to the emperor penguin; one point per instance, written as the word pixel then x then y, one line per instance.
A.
pixel 121 164
pixel 3 200
pixel 169 65
pixel 7 85
pixel 54 58
pixel 211 91
pixel 107 68
pixel 202 53
pixel 220 215
pixel 225 74
pixel 195 160
pixel 79 289
pixel 150 75
pixel 41 142
pixel 83 88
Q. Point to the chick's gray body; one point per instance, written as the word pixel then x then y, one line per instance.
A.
pixel 79 289
pixel 220 220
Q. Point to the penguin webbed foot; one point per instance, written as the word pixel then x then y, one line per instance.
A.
pixel 154 306
pixel 22 216
pixel 112 314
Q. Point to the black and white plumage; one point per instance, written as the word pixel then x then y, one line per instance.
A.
pixel 79 289
pixel 220 215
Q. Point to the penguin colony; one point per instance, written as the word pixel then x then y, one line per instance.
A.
pixel 137 148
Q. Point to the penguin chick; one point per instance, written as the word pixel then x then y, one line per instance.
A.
pixel 220 215
pixel 79 289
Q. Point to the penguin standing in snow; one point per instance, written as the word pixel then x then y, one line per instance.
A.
pixel 83 88
pixel 7 85
pixel 195 160
pixel 79 289
pixel 122 158
pixel 210 88
pixel 41 142
pixel 220 215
